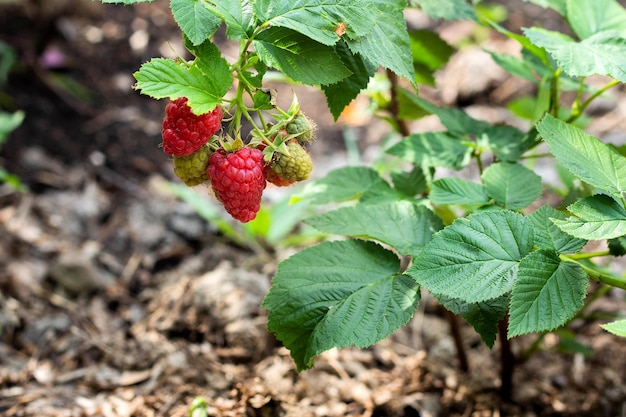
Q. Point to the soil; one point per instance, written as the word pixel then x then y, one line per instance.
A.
pixel 119 299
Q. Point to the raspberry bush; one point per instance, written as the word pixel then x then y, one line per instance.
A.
pixel 485 247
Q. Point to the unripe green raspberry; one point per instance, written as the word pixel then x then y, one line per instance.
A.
pixel 294 166
pixel 303 127
pixel 191 169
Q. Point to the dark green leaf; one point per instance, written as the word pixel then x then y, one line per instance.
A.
pixel 338 294
pixel 475 258
pixel 433 149
pixel 547 293
pixel 455 120
pixel 512 185
pixel 340 94
pixel 429 49
pixel 300 58
pixel 550 237
pixel 403 225
pixel 617 246
pixel 409 183
pixel 483 317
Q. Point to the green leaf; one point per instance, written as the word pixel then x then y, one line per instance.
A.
pixel 515 66
pixel 617 327
pixel 161 78
pixel 409 183
pixel 340 94
pixel 617 246
pixel 558 5
pixel 433 149
pixel 483 317
pixel 403 225
pixel 9 122
pixel 338 294
pixel 599 217
pixel 409 107
pixel 126 2
pixel 429 49
pixel 603 53
pixel 452 190
pixel 388 44
pixel 506 142
pixel 585 156
pixel 238 16
pixel 547 293
pixel 588 17
pixel 382 192
pixel 529 46
pixel 475 258
pixel 512 185
pixel 342 184
pixel 300 58
pixel 447 9
pixel 548 236
pixel 195 19
pixel 455 120
pixel 320 20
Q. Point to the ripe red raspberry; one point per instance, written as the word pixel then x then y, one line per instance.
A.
pixel 238 180
pixel 184 132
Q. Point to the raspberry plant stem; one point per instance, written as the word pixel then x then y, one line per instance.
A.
pixel 578 108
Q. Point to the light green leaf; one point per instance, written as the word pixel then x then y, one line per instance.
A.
pixel 475 258
pixel 338 294
pixel 195 19
pixel 483 316
pixel 506 142
pixel 588 17
pixel 452 190
pixel 547 293
pixel 585 156
pixel 300 58
pixel 320 19
pixel 429 49
pixel 215 68
pixel 599 217
pixel 9 122
pixel 238 16
pixel 447 9
pixel 342 184
pixel 455 120
pixel 340 94
pixel 512 185
pixel 433 149
pixel 388 43
pixel 161 78
pixel 533 49
pixel 403 225
pixel 617 327
pixel 382 192
pixel 603 53
pixel 515 66
pixel 126 2
pixel 548 236
pixel 558 5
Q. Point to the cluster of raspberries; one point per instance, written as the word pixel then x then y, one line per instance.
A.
pixel 237 176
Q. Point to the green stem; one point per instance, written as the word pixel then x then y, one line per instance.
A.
pixel 554 93
pixel 598 276
pixel 578 111
pixel 589 255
